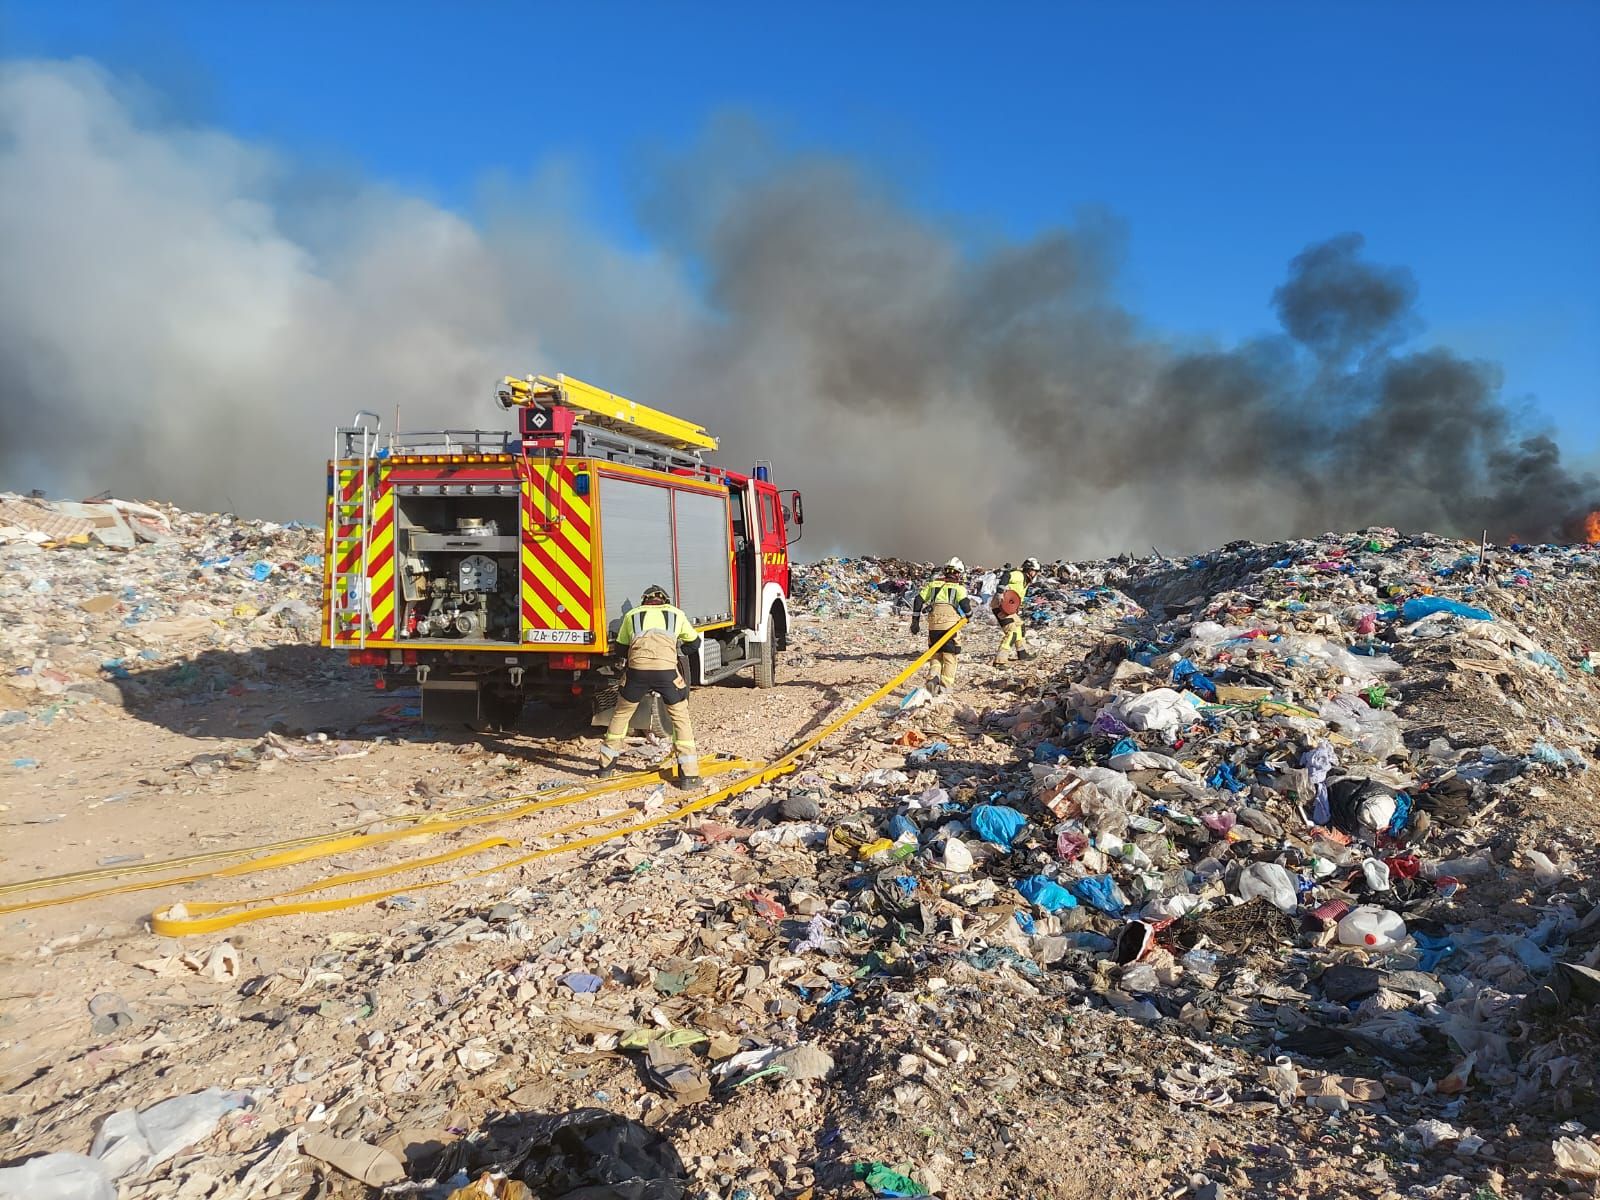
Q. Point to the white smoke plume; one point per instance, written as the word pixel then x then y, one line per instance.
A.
pixel 182 316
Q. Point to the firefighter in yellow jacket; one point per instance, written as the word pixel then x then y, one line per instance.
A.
pixel 946 602
pixel 1011 627
pixel 652 634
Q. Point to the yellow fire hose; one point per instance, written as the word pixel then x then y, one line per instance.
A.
pixel 210 916
pixel 325 845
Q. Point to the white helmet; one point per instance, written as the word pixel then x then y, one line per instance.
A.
pixel 1030 564
pixel 955 564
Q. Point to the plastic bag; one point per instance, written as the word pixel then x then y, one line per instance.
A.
pixel 57 1177
pixel 1046 893
pixel 997 824
pixel 1270 880
pixel 134 1141
pixel 1419 608
pixel 1102 892
pixel 1161 711
pixel 957 859
pixel 1375 732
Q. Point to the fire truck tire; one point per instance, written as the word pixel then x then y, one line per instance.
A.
pixel 604 698
pixel 767 663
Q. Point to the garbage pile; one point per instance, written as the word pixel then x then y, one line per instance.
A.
pixel 852 585
pixel 1273 875
pixel 92 593
pixel 1303 808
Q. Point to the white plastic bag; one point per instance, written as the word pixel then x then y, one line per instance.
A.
pixel 136 1141
pixel 1270 880
pixel 57 1177
pixel 1162 710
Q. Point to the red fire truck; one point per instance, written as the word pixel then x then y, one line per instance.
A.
pixel 493 567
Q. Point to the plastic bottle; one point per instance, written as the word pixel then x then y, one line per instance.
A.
pixel 1372 928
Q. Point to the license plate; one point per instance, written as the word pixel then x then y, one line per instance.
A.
pixel 575 637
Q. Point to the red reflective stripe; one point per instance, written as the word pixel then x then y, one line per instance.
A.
pixel 578 585
pixel 377 564
pixel 532 580
pixel 558 575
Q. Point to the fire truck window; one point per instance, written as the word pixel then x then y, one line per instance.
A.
pixel 739 540
pixel 769 513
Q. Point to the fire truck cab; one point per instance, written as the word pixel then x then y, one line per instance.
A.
pixel 491 568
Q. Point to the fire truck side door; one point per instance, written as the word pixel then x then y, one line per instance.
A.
pixel 746 558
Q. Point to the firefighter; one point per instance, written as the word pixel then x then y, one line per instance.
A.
pixel 1011 627
pixel 946 602
pixel 651 634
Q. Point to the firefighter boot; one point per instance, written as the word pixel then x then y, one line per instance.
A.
pixel 688 772
pixel 1023 655
pixel 608 762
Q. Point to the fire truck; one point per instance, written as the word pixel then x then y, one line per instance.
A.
pixel 493 568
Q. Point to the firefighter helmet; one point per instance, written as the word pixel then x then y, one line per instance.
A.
pixel 655 594
pixel 1030 564
pixel 955 564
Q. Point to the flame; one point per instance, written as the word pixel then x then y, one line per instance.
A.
pixel 1591 528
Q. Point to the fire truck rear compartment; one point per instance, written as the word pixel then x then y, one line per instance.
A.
pixel 457 569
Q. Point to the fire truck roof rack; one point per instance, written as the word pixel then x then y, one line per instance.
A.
pixel 605 410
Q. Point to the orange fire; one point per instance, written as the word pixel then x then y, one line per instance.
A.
pixel 1591 528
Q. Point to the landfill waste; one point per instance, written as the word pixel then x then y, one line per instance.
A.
pixel 132 1141
pixel 58 1177
pixel 99 597
pixel 1109 906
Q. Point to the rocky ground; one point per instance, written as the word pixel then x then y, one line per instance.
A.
pixel 995 944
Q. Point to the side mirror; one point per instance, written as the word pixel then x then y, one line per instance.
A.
pixel 799 513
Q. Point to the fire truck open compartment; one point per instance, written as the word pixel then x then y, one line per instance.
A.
pixel 457 568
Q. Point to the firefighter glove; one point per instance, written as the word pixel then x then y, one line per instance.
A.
pixel 916 624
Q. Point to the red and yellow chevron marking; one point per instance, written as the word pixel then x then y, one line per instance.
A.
pixel 344 525
pixel 327 556
pixel 380 559
pixel 557 555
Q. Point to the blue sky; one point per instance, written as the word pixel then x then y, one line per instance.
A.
pixel 1460 139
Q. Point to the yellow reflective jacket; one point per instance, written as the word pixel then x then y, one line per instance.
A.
pixel 651 634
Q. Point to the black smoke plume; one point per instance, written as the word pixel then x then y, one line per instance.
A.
pixel 184 316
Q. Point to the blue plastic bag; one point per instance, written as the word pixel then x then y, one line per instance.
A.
pixel 1186 674
pixel 1419 607
pixel 997 824
pixel 1402 814
pixel 1434 950
pixel 900 825
pixel 1100 891
pixel 1225 778
pixel 1126 746
pixel 1046 893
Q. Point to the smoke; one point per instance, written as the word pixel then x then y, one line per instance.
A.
pixel 186 316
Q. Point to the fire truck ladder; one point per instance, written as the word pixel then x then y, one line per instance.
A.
pixel 351 602
pixel 607 426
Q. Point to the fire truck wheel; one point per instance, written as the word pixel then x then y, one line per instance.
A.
pixel 767 664
pixel 604 698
